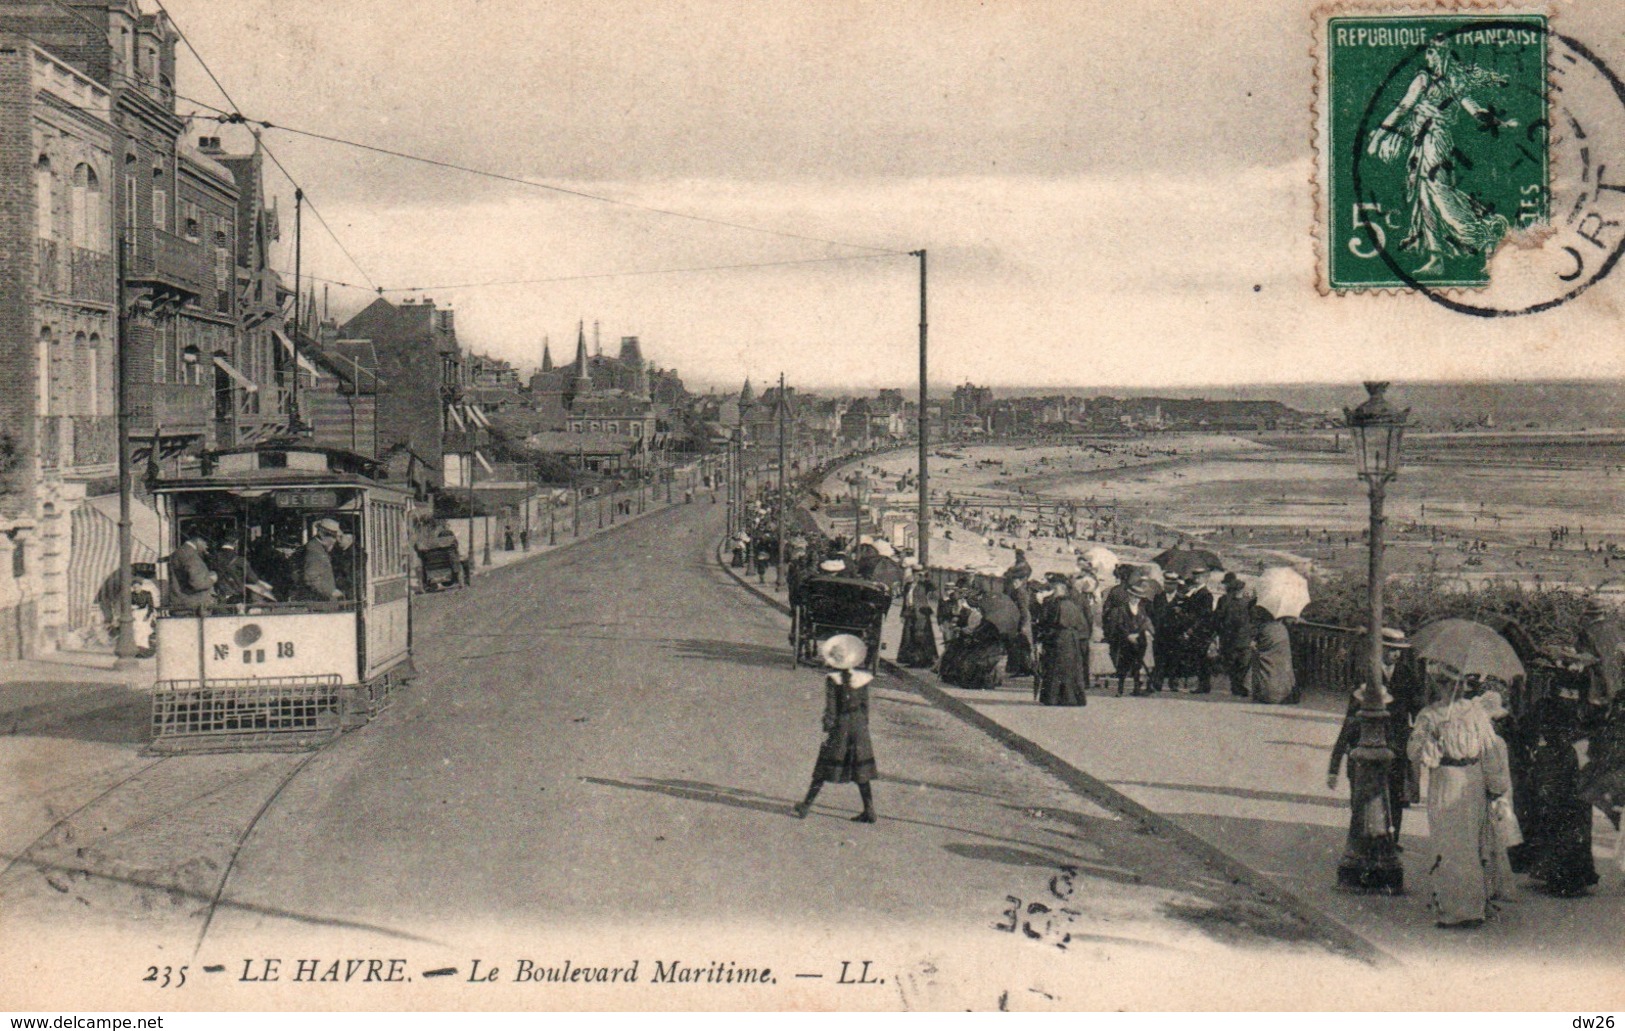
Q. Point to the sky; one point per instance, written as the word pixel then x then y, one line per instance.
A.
pixel 1108 193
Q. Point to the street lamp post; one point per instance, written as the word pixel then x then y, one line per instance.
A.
pixel 856 482
pixel 1371 861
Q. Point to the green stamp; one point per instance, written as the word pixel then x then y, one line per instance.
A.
pixel 1433 146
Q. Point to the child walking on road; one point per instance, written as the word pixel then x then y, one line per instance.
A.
pixel 847 756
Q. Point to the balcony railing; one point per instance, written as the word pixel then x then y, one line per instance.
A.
pixel 179 408
pixel 95 440
pixel 93 276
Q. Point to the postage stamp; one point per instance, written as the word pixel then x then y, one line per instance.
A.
pixel 1433 146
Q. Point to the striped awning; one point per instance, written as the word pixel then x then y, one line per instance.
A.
pixel 231 370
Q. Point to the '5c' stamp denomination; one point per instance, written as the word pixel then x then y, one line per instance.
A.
pixel 1433 149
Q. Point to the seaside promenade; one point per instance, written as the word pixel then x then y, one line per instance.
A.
pixel 1249 781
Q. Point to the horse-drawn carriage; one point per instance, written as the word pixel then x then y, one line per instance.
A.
pixel 830 605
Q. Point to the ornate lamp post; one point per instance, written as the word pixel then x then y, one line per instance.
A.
pixel 1371 862
pixel 857 481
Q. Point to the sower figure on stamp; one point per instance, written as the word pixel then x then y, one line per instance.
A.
pixel 1444 219
pixel 847 756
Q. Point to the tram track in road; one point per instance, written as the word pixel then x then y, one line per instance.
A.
pixel 135 853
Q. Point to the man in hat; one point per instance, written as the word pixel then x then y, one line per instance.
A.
pixel 316 562
pixel 1235 628
pixel 1169 665
pixel 1126 625
pixel 191 581
pixel 1199 610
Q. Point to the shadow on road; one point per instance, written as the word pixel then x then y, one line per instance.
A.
pixel 1262 796
pixel 734 653
pixel 1003 854
pixel 699 791
pixel 123 723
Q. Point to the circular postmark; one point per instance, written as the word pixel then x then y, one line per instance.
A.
pixel 1544 239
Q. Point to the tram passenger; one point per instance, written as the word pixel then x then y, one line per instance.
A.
pixel 345 558
pixel 191 581
pixel 316 563
pixel 236 582
pixel 270 559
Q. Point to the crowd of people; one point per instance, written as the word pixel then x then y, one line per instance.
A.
pixel 1505 791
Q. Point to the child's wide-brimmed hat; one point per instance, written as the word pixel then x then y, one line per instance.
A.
pixel 843 651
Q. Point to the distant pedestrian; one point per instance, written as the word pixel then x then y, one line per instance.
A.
pixel 847 755
pixel 507 538
pixel 1235 632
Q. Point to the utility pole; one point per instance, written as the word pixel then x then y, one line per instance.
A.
pixel 922 548
pixel 298 268
pixel 125 647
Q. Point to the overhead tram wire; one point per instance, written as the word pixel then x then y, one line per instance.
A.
pixel 573 193
pixel 236 115
pixel 644 272
pixel 322 219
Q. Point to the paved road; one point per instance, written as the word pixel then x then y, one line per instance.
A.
pixel 597 766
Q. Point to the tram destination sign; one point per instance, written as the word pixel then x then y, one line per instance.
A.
pixel 306 498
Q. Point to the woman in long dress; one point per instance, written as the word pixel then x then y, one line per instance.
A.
pixel 1063 630
pixel 847 756
pixel 918 648
pixel 1466 765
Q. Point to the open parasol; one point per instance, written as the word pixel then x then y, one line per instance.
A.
pixel 1184 561
pixel 1466 649
pixel 1282 592
pixel 1102 560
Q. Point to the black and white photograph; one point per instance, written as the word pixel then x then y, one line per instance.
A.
pixel 756 506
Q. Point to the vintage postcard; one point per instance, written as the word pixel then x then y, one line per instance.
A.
pixel 756 506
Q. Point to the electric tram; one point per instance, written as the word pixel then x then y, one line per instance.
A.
pixel 259 657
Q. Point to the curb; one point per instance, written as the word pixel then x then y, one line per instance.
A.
pixel 1339 934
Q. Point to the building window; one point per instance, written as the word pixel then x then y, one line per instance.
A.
pixel 87 208
pixel 129 207
pixel 192 221
pixel 160 351
pixel 160 206
pixel 93 377
pixel 43 400
pixel 612 427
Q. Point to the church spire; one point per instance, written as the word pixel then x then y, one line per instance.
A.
pixel 547 356
pixel 747 395
pixel 583 382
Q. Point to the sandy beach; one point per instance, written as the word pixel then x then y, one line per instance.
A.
pixel 1468 506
